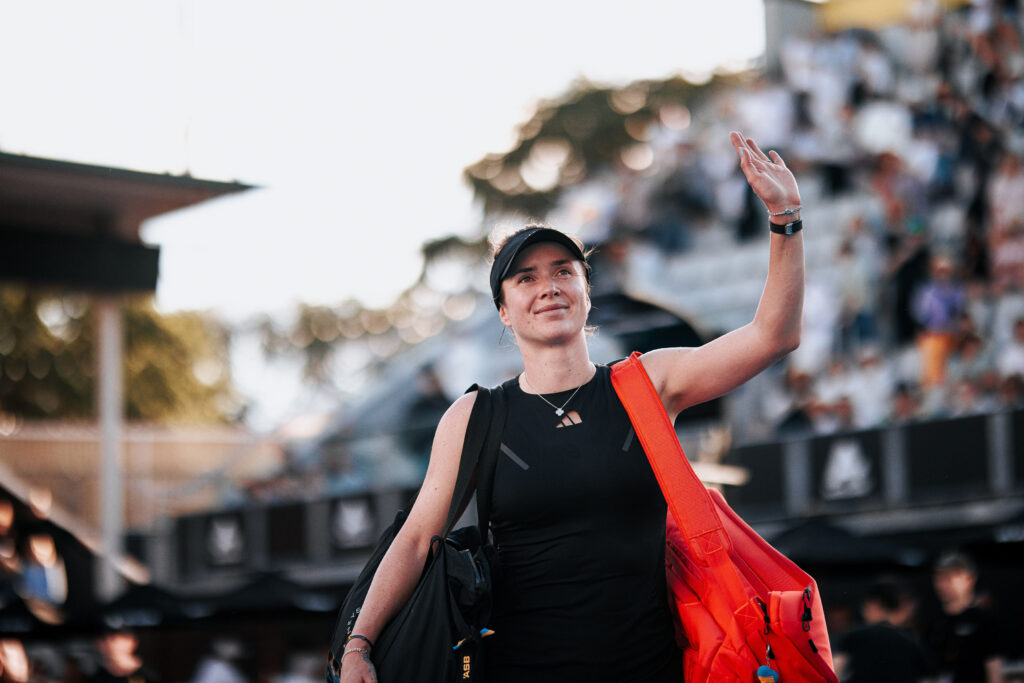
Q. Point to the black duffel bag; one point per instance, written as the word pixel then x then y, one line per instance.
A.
pixel 436 636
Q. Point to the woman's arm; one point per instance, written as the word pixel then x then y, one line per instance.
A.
pixel 402 565
pixel 688 376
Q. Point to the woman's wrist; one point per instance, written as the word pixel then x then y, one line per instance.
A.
pixel 359 637
pixel 784 212
pixel 785 219
pixel 361 652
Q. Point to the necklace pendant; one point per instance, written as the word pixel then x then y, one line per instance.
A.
pixel 559 412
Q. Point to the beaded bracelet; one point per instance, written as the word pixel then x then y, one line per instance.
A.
pixel 787 212
pixel 354 649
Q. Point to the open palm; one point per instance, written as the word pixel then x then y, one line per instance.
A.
pixel 767 174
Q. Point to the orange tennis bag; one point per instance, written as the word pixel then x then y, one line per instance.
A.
pixel 745 612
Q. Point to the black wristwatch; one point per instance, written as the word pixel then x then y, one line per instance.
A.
pixel 787 229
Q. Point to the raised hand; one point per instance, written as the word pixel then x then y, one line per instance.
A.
pixel 767 174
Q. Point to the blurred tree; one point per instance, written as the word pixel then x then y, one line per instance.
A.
pixel 176 366
pixel 569 139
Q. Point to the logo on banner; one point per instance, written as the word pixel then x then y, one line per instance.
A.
pixel 353 523
pixel 847 472
pixel 224 540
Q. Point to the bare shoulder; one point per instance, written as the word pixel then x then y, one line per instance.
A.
pixel 451 430
pixel 456 418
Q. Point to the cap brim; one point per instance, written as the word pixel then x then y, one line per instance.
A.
pixel 510 252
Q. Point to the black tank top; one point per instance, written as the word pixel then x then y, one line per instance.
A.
pixel 579 522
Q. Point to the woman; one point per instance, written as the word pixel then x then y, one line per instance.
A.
pixel 577 515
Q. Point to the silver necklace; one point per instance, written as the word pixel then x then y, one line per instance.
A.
pixel 558 411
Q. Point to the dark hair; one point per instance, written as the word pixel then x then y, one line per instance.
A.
pixel 889 593
pixel 956 560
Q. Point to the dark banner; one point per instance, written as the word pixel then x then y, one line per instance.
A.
pixel 846 470
pixel 354 523
pixel 211 542
pixel 287 528
pixel 764 494
pixel 947 459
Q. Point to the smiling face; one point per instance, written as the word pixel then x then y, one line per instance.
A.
pixel 544 298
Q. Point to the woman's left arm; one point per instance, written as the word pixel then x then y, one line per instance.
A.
pixel 688 376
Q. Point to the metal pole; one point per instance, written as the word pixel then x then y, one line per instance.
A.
pixel 110 402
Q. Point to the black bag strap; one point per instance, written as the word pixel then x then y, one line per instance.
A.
pixel 489 460
pixel 479 456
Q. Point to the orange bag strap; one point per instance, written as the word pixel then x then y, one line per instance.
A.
pixel 687 497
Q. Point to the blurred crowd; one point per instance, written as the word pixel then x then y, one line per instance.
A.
pixel 902 636
pixel 115 656
pixel 908 144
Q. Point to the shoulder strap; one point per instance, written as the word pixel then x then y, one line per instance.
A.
pixel 489 459
pixel 479 452
pixel 687 497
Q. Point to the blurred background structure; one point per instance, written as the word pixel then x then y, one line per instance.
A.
pixel 895 432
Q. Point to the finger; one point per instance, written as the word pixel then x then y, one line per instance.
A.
pixel 740 144
pixel 757 150
pixel 777 158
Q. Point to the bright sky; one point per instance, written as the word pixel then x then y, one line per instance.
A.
pixel 354 118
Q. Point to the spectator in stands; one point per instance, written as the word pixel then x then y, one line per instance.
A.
pixel 964 639
pixel 870 388
pixel 902 194
pixel 1006 193
pixel 119 660
pixel 981 307
pixel 908 269
pixel 422 417
pixel 937 306
pixel 1011 392
pixel 883 650
pixel 1011 357
pixel 980 145
pixel 303 667
pixel 1006 254
pixel 973 360
pixel 968 397
pixel 857 324
pixel 793 406
pixel 820 325
pixel 906 404
pixel 342 472
pixel 221 664
pixel 874 69
pixel 834 409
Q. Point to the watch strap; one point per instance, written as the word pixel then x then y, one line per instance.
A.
pixel 787 229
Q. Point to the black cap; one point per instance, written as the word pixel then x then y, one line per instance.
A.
pixel 519 241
